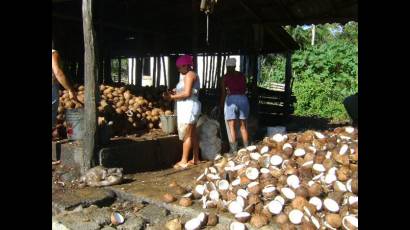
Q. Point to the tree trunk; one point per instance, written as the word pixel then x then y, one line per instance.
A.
pixel 313 34
pixel 90 72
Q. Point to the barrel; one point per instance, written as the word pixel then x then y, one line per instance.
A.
pixel 169 123
pixel 75 123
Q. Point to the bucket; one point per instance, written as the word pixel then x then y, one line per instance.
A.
pixel 275 130
pixel 169 123
pixel 75 125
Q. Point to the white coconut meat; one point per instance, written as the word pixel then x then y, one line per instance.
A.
pixel 330 178
pixel 236 182
pixel 295 216
pixel 242 151
pixel 328 155
pixel 352 220
pixel 252 173
pixel 288 193
pixel 307 211
pixel 308 164
pixel 278 138
pixel 117 218
pixel 276 160
pixel 328 226
pixel 319 135
pixel 275 207
pixel 280 199
pixel 299 152
pixel 287 145
pixel 243 216
pixel 214 195
pixel 349 129
pixel 237 226
pixel 353 199
pixel 344 149
pixel 319 168
pixel 340 186
pixel 206 171
pixel 349 185
pixel 293 181
pixel 331 205
pixel 223 185
pixel 255 156
pixel 200 189
pixel 235 207
pixel 193 224
pixel 315 222
pixel 202 217
pixel 238 167
pixel 317 177
pixel 201 177
pixel 213 176
pixel 251 148
pixel 212 170
pixel 204 202
pixel 265 171
pixel 252 184
pixel 230 164
pixel 241 201
pixel 317 202
pixel 311 182
pixel 243 193
pixel 264 149
pixel 313 149
pixel 188 195
pixel 268 189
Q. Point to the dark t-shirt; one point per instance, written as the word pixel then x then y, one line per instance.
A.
pixel 235 82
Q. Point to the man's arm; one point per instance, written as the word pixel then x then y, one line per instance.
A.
pixel 61 77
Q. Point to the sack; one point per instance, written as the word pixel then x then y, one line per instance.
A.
pixel 209 142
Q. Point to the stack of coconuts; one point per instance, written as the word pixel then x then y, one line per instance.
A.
pixel 128 107
pixel 299 181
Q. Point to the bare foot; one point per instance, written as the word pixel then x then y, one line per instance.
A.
pixel 180 165
pixel 193 162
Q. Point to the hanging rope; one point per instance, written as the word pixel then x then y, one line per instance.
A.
pixel 207 6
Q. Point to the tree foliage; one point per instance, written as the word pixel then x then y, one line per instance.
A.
pixel 324 74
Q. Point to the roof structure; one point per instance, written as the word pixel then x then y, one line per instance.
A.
pixel 144 28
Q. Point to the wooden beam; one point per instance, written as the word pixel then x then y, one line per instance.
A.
pixel 138 74
pixel 90 73
pixel 106 24
pixel 288 79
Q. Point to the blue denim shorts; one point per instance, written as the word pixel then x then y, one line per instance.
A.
pixel 236 107
pixel 54 104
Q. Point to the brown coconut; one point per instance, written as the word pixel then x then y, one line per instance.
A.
pixel 253 199
pixel 287 226
pixel 355 186
pixel 299 202
pixel 259 220
pixel 302 191
pixel 315 190
pixel 307 226
pixel 281 218
pixel 168 198
pixel 334 220
pixel 212 219
pixel 185 202
pixel 343 174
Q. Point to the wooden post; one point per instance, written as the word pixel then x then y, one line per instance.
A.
pixel 218 71
pixel 195 21
pixel 158 71
pixel 172 72
pixel 90 73
pixel 165 71
pixel 119 70
pixel 254 84
pixel 138 74
pixel 107 70
pixel 288 78
pixel 154 72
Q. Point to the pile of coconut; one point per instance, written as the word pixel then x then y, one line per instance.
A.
pixel 129 108
pixel 299 181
